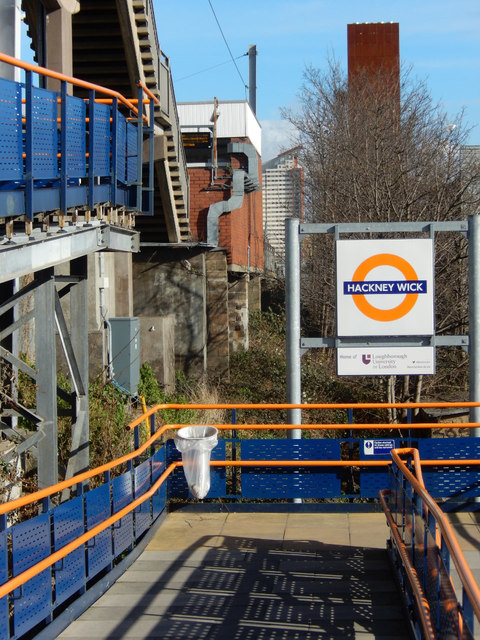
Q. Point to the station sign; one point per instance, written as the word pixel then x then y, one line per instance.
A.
pixel 385 287
pixel 385 361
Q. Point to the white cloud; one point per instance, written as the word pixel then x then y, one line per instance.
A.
pixel 277 136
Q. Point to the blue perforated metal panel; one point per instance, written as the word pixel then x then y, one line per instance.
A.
pixel 122 149
pixel 45 134
pixel 4 627
pixel 159 499
pixel 30 544
pixel 177 485
pixel 286 482
pixel 446 482
pixel 11 160
pixel 373 479
pixel 142 475
pixel 122 495
pixel 76 162
pixel 131 152
pixel 101 133
pixel 68 524
pixel 100 551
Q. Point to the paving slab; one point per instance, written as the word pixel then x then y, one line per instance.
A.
pixel 254 576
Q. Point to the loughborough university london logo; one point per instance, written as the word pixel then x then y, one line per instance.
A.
pixel 384 292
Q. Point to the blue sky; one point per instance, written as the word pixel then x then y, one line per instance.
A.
pixel 440 39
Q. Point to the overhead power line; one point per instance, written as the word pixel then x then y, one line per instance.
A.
pixel 221 64
pixel 226 44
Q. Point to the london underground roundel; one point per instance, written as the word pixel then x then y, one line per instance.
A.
pixel 384 287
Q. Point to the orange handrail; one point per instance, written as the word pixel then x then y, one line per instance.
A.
pixel 27 66
pixel 468 581
pixel 356 426
pixel 26 575
pixel 422 603
pixel 65 484
pixel 339 405
pixel 148 92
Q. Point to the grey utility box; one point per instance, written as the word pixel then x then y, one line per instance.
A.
pixel 126 353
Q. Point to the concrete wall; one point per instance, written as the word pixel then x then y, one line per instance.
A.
pixel 174 283
pixel 157 347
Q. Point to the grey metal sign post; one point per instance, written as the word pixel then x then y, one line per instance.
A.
pixel 474 316
pixel 297 345
pixel 292 303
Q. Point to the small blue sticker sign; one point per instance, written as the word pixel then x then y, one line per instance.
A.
pixel 378 447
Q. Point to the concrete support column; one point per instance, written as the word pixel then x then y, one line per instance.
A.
pixel 217 314
pixel 10 37
pixel 123 285
pixel 254 294
pixel 238 308
pixel 58 38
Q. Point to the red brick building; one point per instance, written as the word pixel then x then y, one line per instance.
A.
pixel 222 144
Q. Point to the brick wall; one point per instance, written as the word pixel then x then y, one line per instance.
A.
pixel 238 229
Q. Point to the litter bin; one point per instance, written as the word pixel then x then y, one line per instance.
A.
pixel 195 444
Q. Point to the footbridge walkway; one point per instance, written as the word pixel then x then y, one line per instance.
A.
pixel 361 529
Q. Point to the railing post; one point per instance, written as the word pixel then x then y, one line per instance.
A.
pixel 113 187
pixel 29 145
pixel 91 151
pixel 63 147
pixel 151 158
pixel 152 431
pixel 139 149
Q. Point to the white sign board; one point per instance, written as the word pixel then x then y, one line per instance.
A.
pixel 385 361
pixel 385 287
pixel 378 447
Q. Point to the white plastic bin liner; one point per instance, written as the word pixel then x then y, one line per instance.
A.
pixel 195 444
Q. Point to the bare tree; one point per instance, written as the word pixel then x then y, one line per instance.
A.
pixel 381 151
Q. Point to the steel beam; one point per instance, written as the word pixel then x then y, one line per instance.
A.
pixel 28 254
pixel 79 458
pixel 47 462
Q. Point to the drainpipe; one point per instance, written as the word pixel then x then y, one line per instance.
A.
pixel 106 323
pixel 224 206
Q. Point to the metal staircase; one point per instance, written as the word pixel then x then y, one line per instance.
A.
pixel 115 44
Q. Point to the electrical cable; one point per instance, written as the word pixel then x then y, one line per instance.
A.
pixel 221 64
pixel 226 43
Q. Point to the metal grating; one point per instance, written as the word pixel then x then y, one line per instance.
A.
pixel 45 138
pixel 68 524
pixel 99 549
pixel 121 149
pixel 448 482
pixel 177 485
pixel 373 479
pixel 280 483
pixel 76 161
pixel 30 544
pixel 141 477
pixel 132 146
pixel 11 160
pixel 101 140
pixel 4 626
pixel 159 500
pixel 122 495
